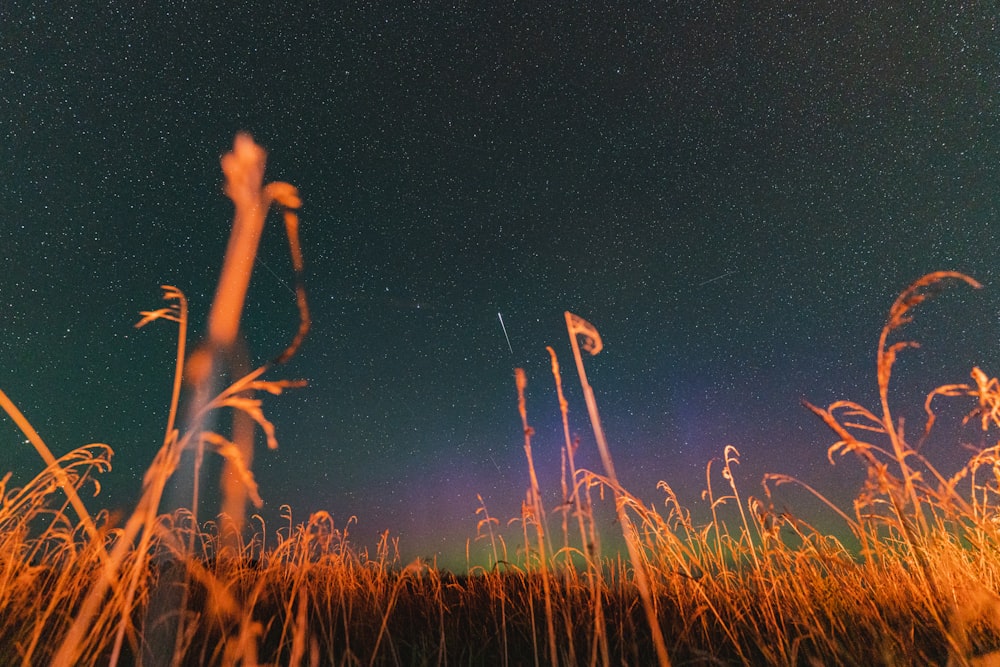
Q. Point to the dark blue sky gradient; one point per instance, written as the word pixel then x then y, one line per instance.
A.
pixel 732 193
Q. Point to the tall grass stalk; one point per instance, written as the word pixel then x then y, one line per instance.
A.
pixel 583 510
pixel 536 514
pixel 592 343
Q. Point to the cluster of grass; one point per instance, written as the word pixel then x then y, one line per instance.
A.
pixel 751 586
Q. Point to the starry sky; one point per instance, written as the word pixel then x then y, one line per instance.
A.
pixel 733 193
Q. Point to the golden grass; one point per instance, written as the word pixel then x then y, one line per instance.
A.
pixel 751 586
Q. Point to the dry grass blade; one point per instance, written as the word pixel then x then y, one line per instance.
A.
pixel 62 479
pixel 229 451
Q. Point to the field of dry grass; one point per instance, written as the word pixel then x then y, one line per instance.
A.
pixel 760 587
pixel 753 585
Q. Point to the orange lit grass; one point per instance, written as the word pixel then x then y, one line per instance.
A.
pixel 243 168
pixel 752 586
pixel 117 578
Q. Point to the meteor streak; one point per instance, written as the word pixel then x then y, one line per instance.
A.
pixel 712 280
pixel 500 317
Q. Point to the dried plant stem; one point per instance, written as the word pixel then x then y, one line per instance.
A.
pixel 577 326
pixel 244 171
pixel 50 461
pixel 538 512
pixel 911 297
pixel 584 513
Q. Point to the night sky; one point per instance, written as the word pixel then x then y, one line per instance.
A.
pixel 732 193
